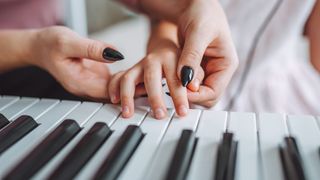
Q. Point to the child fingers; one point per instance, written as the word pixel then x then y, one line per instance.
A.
pixel 153 85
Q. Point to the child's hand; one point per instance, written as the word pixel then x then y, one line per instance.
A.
pixel 146 76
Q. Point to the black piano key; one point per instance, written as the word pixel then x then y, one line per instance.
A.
pixel 182 157
pixel 291 160
pixel 226 158
pixel 3 121
pixel 15 131
pixel 120 154
pixel 82 152
pixel 232 161
pixel 44 151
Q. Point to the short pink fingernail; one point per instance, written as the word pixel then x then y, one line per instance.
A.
pixel 113 99
pixel 183 110
pixel 125 110
pixel 159 113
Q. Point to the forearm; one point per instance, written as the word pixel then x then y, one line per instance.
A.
pixel 312 31
pixel 162 31
pixel 15 48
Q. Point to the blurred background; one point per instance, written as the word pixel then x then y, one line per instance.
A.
pixel 111 22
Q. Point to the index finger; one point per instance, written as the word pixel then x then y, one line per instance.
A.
pixel 94 50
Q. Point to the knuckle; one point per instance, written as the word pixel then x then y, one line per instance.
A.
pixel 125 98
pixel 60 41
pixel 149 61
pixel 170 54
pixel 194 54
pixel 92 49
pixel 149 77
pixel 126 77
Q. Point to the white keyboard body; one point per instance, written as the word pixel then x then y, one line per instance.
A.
pixel 259 136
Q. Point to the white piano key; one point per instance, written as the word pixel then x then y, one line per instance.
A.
pixel 47 122
pixel 159 166
pixel 307 133
pixel 139 162
pixel 16 108
pixel 84 112
pixel 272 130
pixel 118 128
pixel 243 125
pixel 39 108
pixel 211 127
pixel 6 101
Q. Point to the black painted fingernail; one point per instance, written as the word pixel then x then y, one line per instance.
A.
pixel 186 75
pixel 112 55
pixel 167 93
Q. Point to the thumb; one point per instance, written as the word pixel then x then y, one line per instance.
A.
pixel 94 50
pixel 194 85
pixel 193 50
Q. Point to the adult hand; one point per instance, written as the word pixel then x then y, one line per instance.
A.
pixel 205 40
pixel 77 63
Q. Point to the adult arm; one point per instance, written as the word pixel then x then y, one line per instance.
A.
pixel 312 31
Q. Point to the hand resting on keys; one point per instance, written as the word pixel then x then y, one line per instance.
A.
pixel 161 61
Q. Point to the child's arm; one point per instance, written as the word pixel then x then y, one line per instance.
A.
pixel 313 32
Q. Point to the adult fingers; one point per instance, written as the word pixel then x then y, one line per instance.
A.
pixel 212 88
pixel 80 47
pixel 193 50
pixel 196 82
pixel 204 96
pixel 153 85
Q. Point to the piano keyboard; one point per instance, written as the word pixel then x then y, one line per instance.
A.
pixel 52 139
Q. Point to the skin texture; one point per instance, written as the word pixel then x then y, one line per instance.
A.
pixel 203 42
pixel 161 61
pixel 76 62
pixel 312 31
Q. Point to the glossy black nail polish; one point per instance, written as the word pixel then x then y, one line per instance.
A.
pixel 112 55
pixel 167 93
pixel 186 75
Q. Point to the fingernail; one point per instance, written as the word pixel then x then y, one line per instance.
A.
pixel 125 110
pixel 196 83
pixel 112 55
pixel 159 113
pixel 183 110
pixel 167 93
pixel 186 75
pixel 113 99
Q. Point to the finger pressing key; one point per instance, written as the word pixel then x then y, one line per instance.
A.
pixel 153 85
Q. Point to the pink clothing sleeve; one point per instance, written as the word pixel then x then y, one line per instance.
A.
pixel 22 14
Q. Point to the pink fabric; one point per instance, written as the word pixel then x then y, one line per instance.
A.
pixel 20 14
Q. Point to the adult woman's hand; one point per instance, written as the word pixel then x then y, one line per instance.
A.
pixel 77 63
pixel 205 40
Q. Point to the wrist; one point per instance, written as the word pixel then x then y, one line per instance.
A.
pixel 27 53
